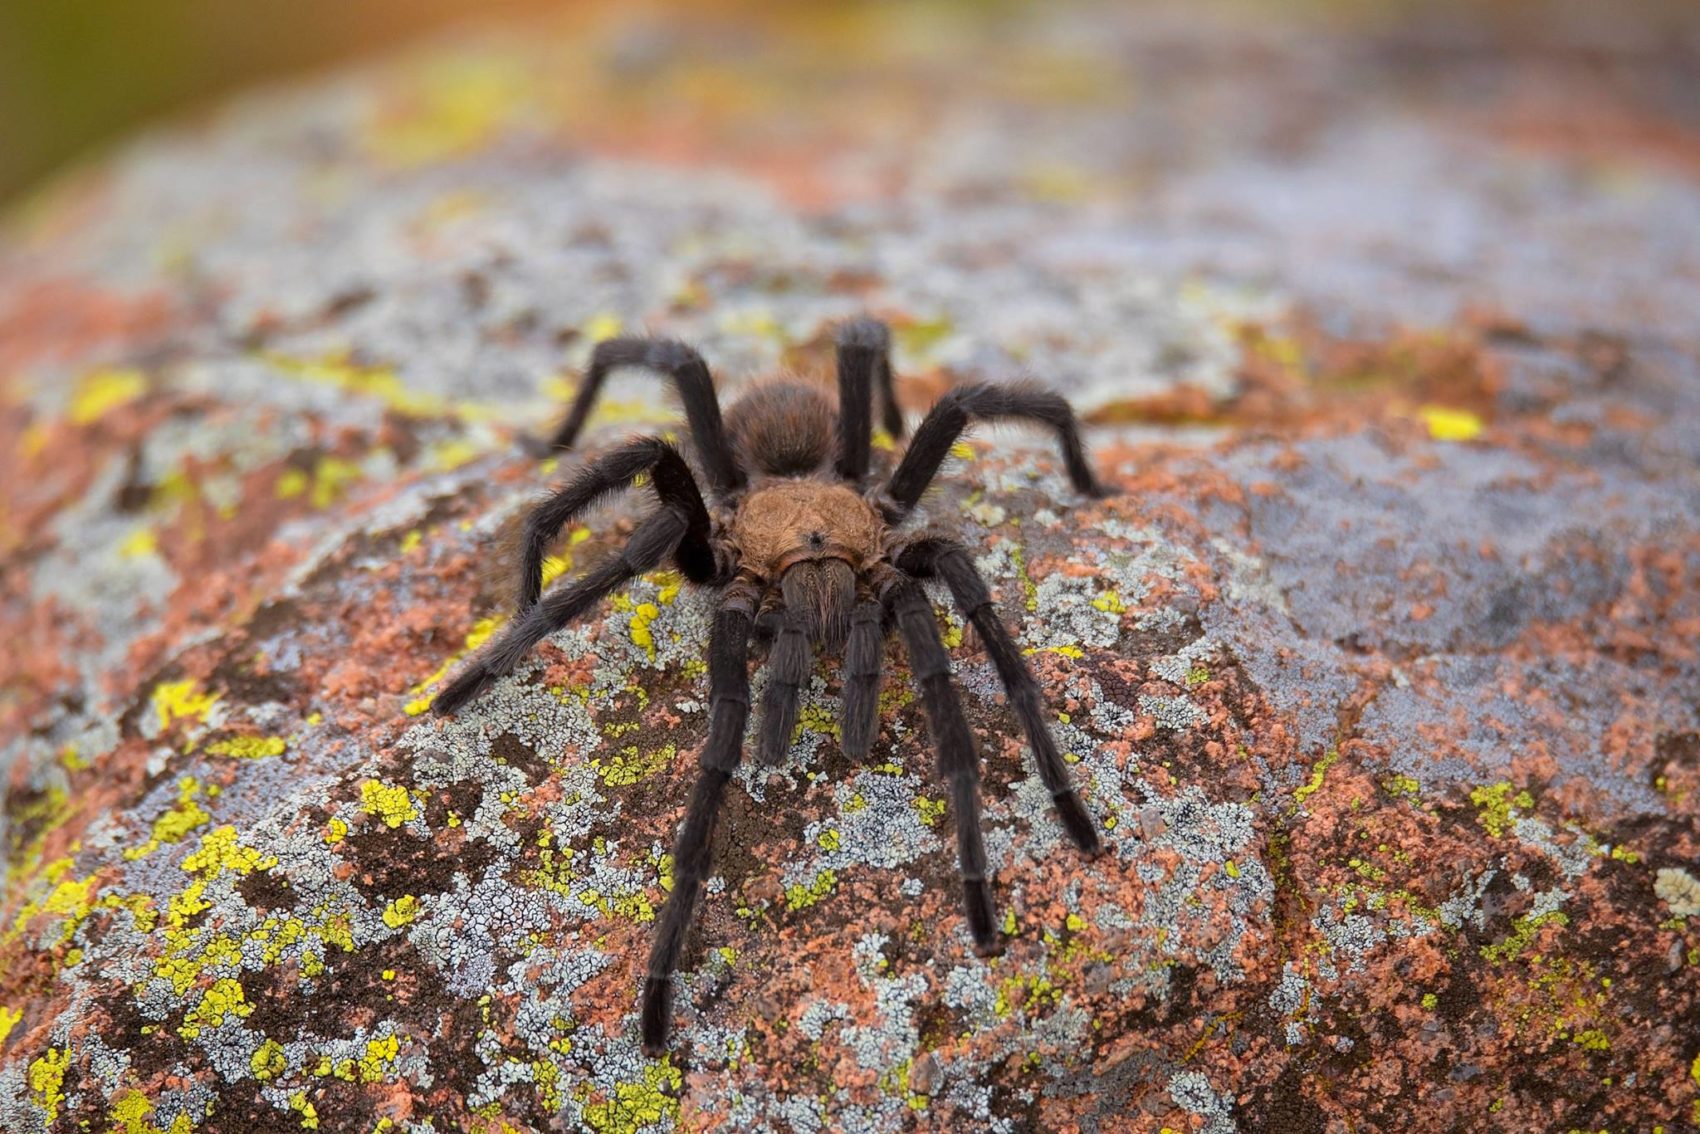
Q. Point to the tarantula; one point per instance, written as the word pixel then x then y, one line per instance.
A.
pixel 803 546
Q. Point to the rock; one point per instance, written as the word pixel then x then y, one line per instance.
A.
pixel 924 1074
pixel 1379 672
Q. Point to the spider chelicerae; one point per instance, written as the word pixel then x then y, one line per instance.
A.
pixel 804 544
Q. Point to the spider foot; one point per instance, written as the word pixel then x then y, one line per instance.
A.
pixel 461 690
pixel 538 448
pixel 657 1015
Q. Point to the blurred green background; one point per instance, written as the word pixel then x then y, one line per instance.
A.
pixel 75 74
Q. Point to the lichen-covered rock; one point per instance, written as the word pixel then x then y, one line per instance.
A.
pixel 1380 674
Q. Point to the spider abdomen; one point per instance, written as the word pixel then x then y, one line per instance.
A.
pixel 782 429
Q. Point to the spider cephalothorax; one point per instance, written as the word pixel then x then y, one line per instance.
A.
pixel 803 546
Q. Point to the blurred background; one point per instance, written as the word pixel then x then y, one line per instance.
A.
pixel 76 74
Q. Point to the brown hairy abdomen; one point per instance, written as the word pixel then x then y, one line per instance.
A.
pixel 782 429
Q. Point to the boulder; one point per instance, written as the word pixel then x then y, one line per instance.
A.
pixel 1379 672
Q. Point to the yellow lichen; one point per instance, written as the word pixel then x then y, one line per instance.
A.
pixel 930 810
pixel 1029 992
pixel 402 911
pixel 268 1061
pixel 449 455
pixel 221 851
pixel 331 477
pixel 9 1018
pixel 642 615
pixel 651 1101
pixel 139 543
pixel 801 897
pixel 105 390
pixel 1495 806
pixel 817 720
pixel 1317 775
pixel 1074 652
pixel 629 766
pixel 1451 424
pixel 249 747
pixel 951 634
pixel 1523 933
pixel 70 899
pixel 309 1116
pixel 391 803
pixel 1110 603
pixel 176 823
pixel 181 700
pixel 131 1111
pixel 1592 1039
pixel 554 566
pixel 377 382
pixel 223 999
pixel 292 482
pixel 380 1054
pixel 47 1081
pixel 1400 785
pixel 1029 589
pixel 336 831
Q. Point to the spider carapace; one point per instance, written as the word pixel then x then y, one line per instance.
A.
pixel 808 549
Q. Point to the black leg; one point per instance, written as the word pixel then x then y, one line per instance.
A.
pixel 787 669
pixel 864 656
pixel 951 561
pixel 696 389
pixel 888 398
pixel 864 356
pixel 947 420
pixel 674 485
pixel 651 543
pixel 729 711
pixel 958 759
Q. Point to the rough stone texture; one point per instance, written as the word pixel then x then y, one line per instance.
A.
pixel 1381 673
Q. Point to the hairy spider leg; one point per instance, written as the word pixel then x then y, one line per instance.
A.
pixel 652 542
pixel 787 669
pixel 864 357
pixel 729 712
pixel 674 486
pixel 952 414
pixel 958 758
pixel 696 390
pixel 864 659
pixel 950 560
pixel 888 396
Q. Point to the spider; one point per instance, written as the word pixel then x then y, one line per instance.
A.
pixel 804 546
